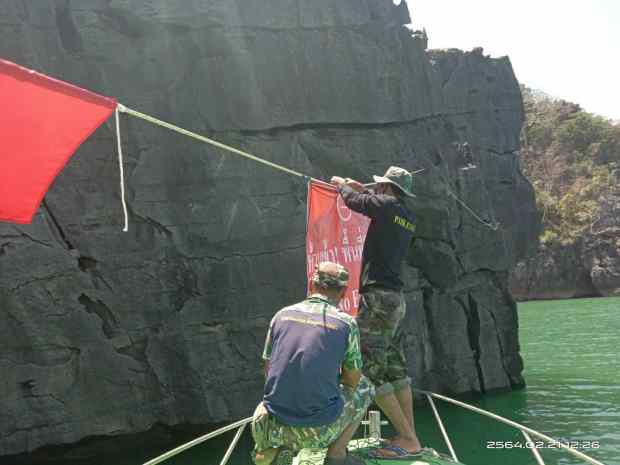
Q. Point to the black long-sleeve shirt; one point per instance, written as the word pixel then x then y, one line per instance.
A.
pixel 389 235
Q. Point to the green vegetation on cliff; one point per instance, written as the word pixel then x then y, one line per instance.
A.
pixel 571 157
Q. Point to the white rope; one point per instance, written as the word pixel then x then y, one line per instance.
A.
pixel 215 143
pixel 493 226
pixel 180 130
pixel 119 147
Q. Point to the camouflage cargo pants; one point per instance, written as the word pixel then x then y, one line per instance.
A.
pixel 268 432
pixel 380 314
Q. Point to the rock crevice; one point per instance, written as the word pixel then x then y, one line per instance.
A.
pixel 168 319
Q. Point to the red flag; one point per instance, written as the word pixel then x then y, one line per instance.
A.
pixel 335 234
pixel 43 121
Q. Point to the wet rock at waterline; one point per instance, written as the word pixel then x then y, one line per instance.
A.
pixel 590 267
pixel 104 332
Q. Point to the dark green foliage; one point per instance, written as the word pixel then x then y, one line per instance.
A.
pixel 570 156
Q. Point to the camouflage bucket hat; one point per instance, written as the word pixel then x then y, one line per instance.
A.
pixel 400 177
pixel 330 275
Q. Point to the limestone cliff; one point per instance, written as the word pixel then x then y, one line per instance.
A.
pixel 104 332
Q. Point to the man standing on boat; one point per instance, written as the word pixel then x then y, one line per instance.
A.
pixel 382 304
pixel 315 394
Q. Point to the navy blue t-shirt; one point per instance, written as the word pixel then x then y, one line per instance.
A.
pixel 306 345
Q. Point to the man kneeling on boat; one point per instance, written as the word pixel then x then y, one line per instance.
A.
pixel 315 394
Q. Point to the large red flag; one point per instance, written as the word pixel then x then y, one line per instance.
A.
pixel 42 123
pixel 336 234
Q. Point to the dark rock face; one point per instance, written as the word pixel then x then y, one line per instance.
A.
pixel 588 268
pixel 104 332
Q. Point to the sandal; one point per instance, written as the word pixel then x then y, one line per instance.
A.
pixel 399 452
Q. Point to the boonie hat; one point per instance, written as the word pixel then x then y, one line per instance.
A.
pixel 400 177
pixel 329 274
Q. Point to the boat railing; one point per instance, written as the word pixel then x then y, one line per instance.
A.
pixel 374 421
pixel 238 425
pixel 527 432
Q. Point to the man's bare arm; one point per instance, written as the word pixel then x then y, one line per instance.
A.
pixel 352 183
pixel 355 185
pixel 266 368
pixel 350 378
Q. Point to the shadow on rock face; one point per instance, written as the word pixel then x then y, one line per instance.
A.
pixel 109 333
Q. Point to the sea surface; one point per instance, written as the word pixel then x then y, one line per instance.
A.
pixel 571 350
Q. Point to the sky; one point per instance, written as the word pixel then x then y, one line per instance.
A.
pixel 567 48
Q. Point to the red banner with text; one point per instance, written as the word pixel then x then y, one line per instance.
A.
pixel 335 233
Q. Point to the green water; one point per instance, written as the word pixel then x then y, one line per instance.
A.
pixel 572 370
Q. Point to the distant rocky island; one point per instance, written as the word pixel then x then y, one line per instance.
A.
pixel 573 160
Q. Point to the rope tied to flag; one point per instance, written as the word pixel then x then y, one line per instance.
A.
pixel 64 116
pixel 119 147
pixel 123 109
